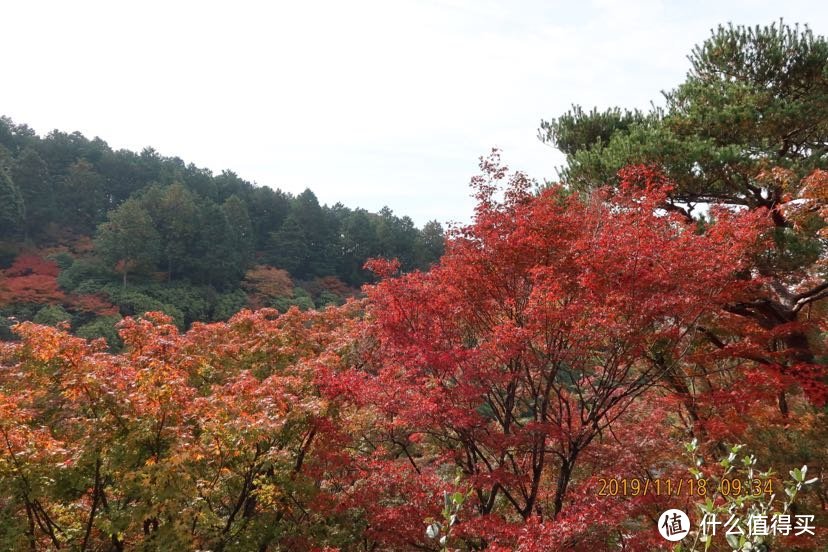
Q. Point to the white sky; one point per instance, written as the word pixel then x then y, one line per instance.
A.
pixel 369 103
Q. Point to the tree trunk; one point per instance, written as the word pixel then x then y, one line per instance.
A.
pixel 564 475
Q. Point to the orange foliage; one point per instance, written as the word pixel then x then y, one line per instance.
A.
pixel 266 282
pixel 230 412
pixel 331 284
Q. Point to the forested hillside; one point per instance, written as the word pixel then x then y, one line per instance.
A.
pixel 583 359
pixel 89 234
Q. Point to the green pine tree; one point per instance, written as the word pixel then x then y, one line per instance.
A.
pixel 31 175
pixel 12 211
pixel 128 240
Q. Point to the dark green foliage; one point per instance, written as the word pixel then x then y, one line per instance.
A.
pixel 301 298
pixel 194 303
pixel 31 175
pixel 174 215
pixel 63 260
pixel 69 181
pixel 227 304
pixel 397 238
pixel 128 241
pixel 133 302
pixel 8 252
pixel 51 315
pixel 289 248
pixel 11 207
pixel 430 244
pixel 212 261
pixel 12 314
pixel 102 326
pixel 6 324
pixel 574 129
pixel 84 276
pixel 755 98
pixel 185 302
pixel 358 229
pixel 238 238
pixel 268 210
pixel 327 298
pixel 84 201
pixel 307 241
pixel 14 137
pixel 6 160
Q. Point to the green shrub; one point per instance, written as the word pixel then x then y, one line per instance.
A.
pixel 132 303
pixel 63 259
pixel 301 298
pixel 102 326
pixel 327 298
pixel 228 304
pixel 89 273
pixel 51 315
pixel 8 252
pixel 194 302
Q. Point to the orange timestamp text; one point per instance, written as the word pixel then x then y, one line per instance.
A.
pixel 622 486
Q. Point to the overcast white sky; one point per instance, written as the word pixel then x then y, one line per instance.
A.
pixel 368 103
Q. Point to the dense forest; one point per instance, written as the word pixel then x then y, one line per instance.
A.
pixel 88 234
pixel 647 334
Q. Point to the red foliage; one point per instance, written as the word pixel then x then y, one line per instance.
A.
pixel 28 264
pixel 330 284
pixel 33 279
pixel 91 303
pixel 30 279
pixel 545 320
pixel 384 268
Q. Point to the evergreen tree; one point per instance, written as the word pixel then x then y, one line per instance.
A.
pixel 31 175
pixel 6 159
pixel 12 210
pixel 289 248
pixel 359 243
pixel 128 240
pixel 175 216
pixel 85 199
pixel 746 127
pixel 397 237
pixel 319 228
pixel 430 244
pixel 268 209
pixel 213 261
pixel 239 235
pixel 15 137
pixel 754 99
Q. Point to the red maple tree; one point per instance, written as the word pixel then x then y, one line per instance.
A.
pixel 544 322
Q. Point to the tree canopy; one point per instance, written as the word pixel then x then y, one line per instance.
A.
pixel 144 231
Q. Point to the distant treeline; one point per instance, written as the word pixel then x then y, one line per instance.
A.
pixel 89 235
pixel 150 214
